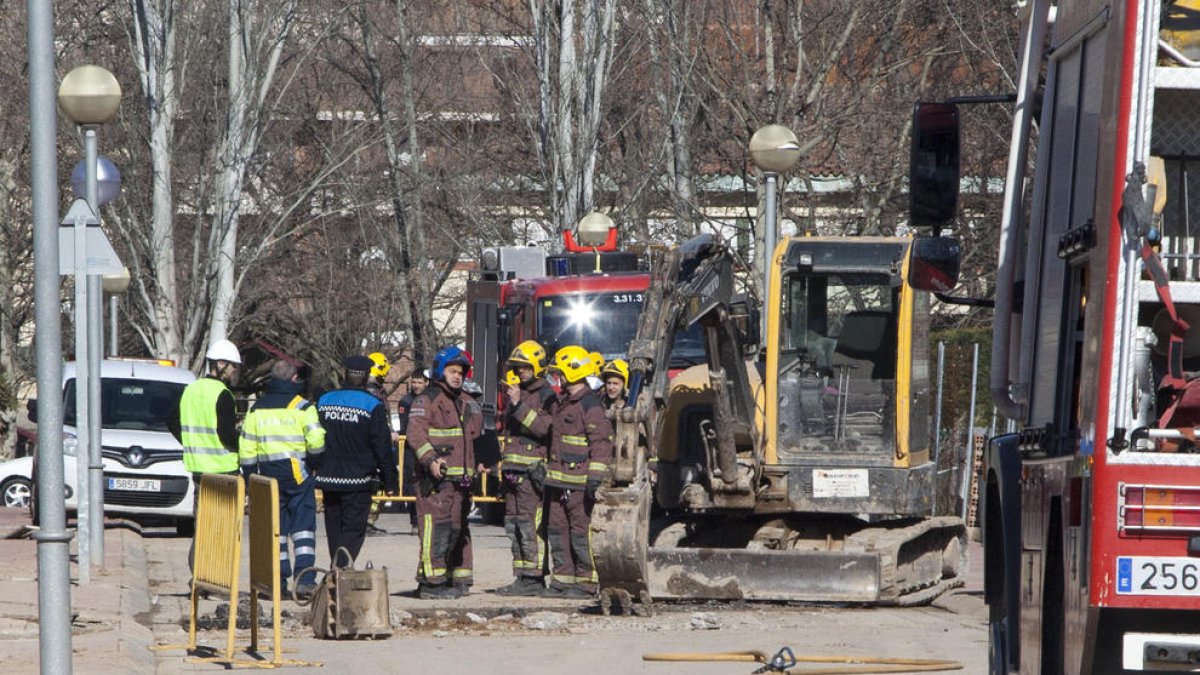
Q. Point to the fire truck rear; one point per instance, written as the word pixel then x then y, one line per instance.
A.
pixel 1091 510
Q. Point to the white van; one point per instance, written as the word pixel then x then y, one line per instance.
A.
pixel 144 476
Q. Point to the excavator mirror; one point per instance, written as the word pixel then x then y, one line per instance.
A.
pixel 933 170
pixel 933 264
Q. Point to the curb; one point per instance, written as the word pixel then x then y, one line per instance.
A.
pixel 136 639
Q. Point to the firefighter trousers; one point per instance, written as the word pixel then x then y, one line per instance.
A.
pixel 346 515
pixel 524 525
pixel 444 535
pixel 298 522
pixel 569 534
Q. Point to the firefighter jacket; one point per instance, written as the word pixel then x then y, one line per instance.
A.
pixel 527 426
pixel 281 432
pixel 444 423
pixel 580 441
pixel 358 443
pixel 207 427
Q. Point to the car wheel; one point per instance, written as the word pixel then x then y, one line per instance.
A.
pixel 185 527
pixel 17 492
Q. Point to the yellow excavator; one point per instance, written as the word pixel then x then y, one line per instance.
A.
pixel 798 470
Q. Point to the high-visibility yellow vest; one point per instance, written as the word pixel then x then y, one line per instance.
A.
pixel 202 448
pixel 282 435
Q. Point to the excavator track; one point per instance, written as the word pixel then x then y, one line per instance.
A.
pixel 907 562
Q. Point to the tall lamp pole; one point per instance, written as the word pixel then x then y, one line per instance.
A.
pixel 53 539
pixel 89 96
pixel 114 285
pixel 774 149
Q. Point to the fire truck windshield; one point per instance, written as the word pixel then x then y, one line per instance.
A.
pixel 606 323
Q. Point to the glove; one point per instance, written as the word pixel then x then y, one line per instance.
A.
pixel 589 492
pixel 537 476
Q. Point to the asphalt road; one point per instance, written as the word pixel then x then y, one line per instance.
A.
pixel 486 633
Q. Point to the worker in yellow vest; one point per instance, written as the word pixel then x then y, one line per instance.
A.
pixel 207 422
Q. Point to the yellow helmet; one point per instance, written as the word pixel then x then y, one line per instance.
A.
pixel 381 365
pixel 529 353
pixel 616 368
pixel 575 363
pixel 511 378
pixel 598 359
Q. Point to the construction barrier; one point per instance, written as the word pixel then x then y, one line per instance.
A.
pixel 220 507
pixel 264 565
pixel 217 555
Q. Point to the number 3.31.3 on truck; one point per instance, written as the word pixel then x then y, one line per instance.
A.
pixel 1091 510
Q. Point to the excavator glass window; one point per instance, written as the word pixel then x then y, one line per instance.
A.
pixel 838 363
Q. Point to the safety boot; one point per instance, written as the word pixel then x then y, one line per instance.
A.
pixel 523 586
pixel 438 592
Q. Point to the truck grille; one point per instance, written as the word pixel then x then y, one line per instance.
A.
pixel 173 490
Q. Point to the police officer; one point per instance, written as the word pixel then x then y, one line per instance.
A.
pixel 526 428
pixel 207 422
pixel 615 375
pixel 280 437
pixel 442 428
pixel 359 452
pixel 580 451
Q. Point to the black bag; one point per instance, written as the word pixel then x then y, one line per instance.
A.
pixel 537 476
pixel 350 603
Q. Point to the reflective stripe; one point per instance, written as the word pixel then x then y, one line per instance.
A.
pixel 274 438
pixel 597 466
pixel 541 541
pixel 511 458
pixel 302 534
pixel 566 477
pixel 210 452
pixel 529 419
pixel 462 572
pixel 424 450
pixel 569 579
pixel 426 544
pixel 446 433
pixel 575 440
pixel 305 550
pixel 460 471
pixel 524 564
pixel 197 430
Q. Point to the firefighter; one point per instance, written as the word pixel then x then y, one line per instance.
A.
pixel 281 436
pixel 359 456
pixel 615 375
pixel 442 428
pixel 526 431
pixel 417 382
pixel 376 386
pixel 577 464
pixel 206 425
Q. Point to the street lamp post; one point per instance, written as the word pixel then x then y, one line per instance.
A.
pixel 89 96
pixel 114 285
pixel 773 149
pixel 53 539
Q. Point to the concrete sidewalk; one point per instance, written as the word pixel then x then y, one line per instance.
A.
pixel 107 633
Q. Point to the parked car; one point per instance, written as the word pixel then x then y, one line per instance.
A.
pixel 144 476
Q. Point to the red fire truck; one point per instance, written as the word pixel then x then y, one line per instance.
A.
pixel 1091 510
pixel 582 296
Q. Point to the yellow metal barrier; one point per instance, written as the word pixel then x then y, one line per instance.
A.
pixel 218 554
pixel 264 564
pixel 481 490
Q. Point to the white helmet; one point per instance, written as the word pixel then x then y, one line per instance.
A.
pixel 224 350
